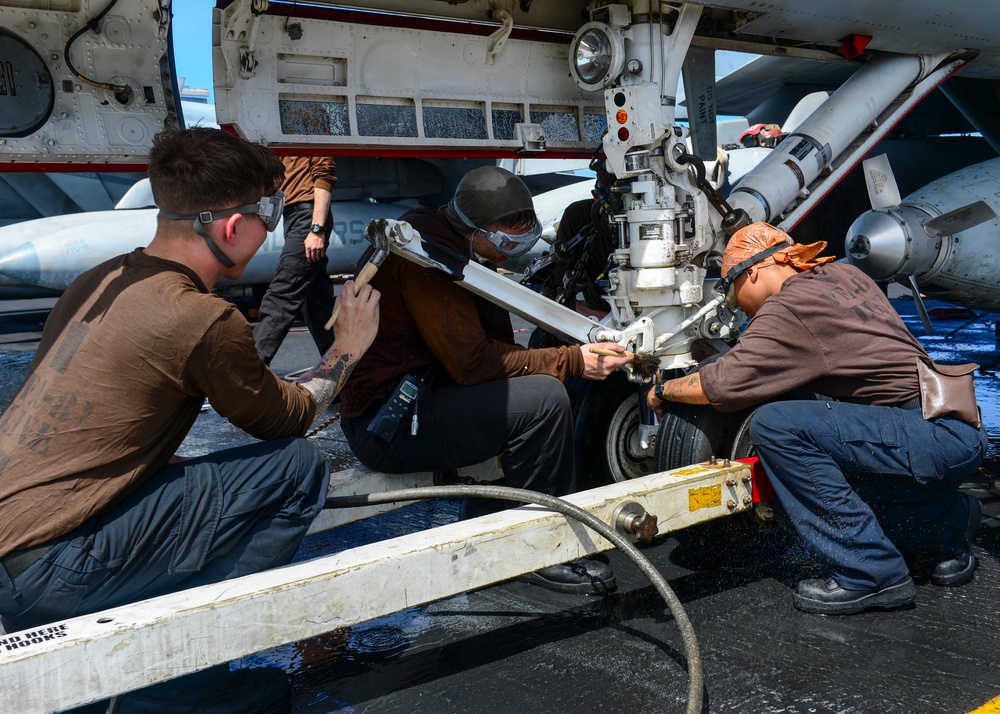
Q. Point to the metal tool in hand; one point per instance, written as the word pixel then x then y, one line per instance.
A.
pixel 377 234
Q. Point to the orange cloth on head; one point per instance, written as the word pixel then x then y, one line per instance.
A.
pixel 748 242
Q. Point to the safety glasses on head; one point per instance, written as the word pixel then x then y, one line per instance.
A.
pixel 724 288
pixel 269 209
pixel 511 245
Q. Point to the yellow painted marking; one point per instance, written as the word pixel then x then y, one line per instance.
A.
pixel 705 497
pixel 691 471
pixel 990 707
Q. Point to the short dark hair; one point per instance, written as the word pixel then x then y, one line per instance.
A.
pixel 203 169
pixel 521 220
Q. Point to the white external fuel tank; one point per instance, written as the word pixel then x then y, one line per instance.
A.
pixel 934 235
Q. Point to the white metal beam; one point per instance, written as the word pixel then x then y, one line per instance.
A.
pixel 85 659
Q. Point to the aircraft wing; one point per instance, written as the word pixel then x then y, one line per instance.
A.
pixel 767 89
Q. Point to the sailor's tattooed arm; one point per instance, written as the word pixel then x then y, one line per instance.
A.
pixel 686 389
pixel 356 328
pixel 326 380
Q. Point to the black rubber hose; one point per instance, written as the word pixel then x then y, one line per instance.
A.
pixel 93 25
pixel 695 677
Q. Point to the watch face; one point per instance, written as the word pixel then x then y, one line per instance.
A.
pixel 317 228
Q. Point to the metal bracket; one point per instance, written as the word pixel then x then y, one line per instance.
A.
pixel 532 137
pixel 495 42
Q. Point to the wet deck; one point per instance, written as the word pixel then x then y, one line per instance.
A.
pixel 515 646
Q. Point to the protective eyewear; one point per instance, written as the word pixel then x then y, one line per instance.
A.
pixel 513 245
pixel 725 287
pixel 269 209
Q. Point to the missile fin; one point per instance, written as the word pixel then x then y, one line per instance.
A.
pixel 882 189
pixel 960 219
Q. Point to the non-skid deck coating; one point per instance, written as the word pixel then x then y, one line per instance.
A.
pixel 516 647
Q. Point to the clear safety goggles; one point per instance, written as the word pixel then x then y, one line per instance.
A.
pixel 513 245
pixel 268 208
pixel 725 287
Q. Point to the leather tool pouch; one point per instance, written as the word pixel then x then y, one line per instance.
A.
pixel 948 390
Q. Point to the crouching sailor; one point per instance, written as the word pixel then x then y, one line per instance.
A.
pixel 869 473
pixel 476 393
pixel 94 510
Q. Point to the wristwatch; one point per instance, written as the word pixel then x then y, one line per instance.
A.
pixel 317 228
pixel 658 391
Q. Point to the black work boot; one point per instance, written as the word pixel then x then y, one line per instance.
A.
pixel 958 569
pixel 826 597
pixel 585 576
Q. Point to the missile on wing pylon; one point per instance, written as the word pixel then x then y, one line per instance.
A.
pixel 51 252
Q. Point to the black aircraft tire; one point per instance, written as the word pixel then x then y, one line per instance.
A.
pixel 691 434
pixel 606 416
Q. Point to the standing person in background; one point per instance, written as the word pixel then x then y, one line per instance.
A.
pixel 301 284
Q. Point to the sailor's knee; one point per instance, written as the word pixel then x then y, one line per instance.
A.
pixel 310 469
pixel 770 422
pixel 549 393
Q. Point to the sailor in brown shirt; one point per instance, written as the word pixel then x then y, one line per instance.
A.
pixel 864 449
pixel 94 510
pixel 478 394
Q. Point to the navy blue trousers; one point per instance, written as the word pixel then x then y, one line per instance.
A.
pixel 863 485
pixel 219 516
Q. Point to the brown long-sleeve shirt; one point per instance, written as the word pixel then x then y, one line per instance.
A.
pixel 830 330
pixel 304 173
pixel 425 318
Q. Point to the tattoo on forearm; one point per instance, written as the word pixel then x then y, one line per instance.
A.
pixel 327 379
pixel 677 389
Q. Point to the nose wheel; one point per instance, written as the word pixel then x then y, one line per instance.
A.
pixel 627 459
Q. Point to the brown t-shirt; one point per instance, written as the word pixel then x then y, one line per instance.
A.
pixel 127 357
pixel 830 330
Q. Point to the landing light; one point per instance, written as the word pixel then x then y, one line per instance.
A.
pixel 596 56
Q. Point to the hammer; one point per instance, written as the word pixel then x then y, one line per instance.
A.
pixel 376 234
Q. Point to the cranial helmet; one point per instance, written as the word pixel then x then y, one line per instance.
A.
pixel 485 197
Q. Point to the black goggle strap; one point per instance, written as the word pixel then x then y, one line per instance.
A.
pixel 726 283
pixel 199 227
pixel 465 219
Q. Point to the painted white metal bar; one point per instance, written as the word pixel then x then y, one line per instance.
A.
pixel 522 301
pixel 85 659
